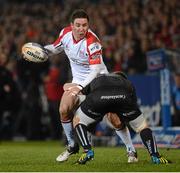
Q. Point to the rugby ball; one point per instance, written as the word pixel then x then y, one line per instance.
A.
pixel 34 52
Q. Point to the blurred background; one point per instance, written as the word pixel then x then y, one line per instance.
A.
pixel 129 29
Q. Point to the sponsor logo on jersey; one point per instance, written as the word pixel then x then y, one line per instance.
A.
pixel 94 113
pixel 94 47
pixel 129 113
pixel 95 56
pixel 113 97
pixel 79 62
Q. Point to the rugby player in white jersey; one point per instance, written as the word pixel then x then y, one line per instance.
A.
pixel 84 52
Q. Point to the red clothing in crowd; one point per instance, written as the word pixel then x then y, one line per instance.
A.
pixel 53 88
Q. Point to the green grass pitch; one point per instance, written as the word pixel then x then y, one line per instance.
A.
pixel 40 157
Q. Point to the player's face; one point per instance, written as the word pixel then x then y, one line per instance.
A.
pixel 79 28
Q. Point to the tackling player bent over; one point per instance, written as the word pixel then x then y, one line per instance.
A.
pixel 113 93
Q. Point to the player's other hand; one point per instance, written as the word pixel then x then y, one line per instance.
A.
pixel 75 89
pixel 67 86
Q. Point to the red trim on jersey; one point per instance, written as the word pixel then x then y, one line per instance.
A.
pixel 96 60
pixel 65 31
pixel 97 53
pixel 93 39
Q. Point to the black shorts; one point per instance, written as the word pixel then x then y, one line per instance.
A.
pixel 101 101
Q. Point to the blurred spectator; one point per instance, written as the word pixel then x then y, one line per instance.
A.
pixel 29 120
pixel 176 99
pixel 54 91
pixel 10 99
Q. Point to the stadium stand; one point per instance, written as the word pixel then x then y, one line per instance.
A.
pixel 128 30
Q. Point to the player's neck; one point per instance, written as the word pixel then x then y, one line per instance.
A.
pixel 76 39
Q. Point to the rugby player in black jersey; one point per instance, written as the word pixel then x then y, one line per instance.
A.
pixel 116 94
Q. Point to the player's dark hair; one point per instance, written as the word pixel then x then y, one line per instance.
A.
pixel 122 74
pixel 79 13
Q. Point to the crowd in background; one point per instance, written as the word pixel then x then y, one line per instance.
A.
pixel 28 91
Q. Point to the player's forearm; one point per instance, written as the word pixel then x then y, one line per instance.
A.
pixel 53 50
pixel 95 71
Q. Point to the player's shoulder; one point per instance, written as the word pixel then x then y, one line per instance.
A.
pixel 92 37
pixel 93 43
pixel 65 30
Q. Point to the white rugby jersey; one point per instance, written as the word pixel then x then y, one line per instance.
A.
pixel 85 55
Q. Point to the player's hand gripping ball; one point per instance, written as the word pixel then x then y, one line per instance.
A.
pixel 34 52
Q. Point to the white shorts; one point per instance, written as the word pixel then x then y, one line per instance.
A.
pixel 83 118
pixel 138 124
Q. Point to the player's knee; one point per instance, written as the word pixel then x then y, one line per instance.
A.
pixel 63 110
pixel 64 113
pixel 116 124
pixel 68 103
pixel 120 126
